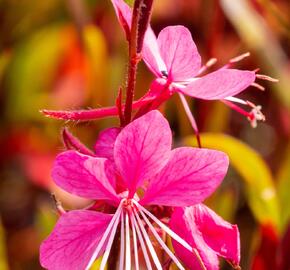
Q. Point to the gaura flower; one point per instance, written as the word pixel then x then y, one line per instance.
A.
pixel 174 59
pixel 134 170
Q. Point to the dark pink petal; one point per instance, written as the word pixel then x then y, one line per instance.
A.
pixel 142 149
pixel 189 177
pixel 183 223
pixel 220 84
pixel 179 53
pixel 73 240
pixel 219 235
pixel 84 176
pixel 104 146
pixel 208 233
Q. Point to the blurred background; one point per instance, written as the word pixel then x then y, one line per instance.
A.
pixel 72 54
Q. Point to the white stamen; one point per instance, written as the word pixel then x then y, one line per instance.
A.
pixel 266 78
pixel 208 64
pixel 135 244
pixel 164 227
pixel 237 100
pixel 258 115
pixel 143 247
pixel 128 247
pixel 258 86
pixel 148 242
pixel 106 233
pixel 122 244
pixel 109 244
pixel 160 241
pixel 239 58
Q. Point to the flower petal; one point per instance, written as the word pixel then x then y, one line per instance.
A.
pixel 183 223
pixel 220 84
pixel 151 54
pixel 220 236
pixel 73 240
pixel 189 177
pixel 104 146
pixel 123 12
pixel 84 176
pixel 179 52
pixel 208 233
pixel 142 149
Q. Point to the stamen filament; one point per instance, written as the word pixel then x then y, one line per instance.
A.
pixel 148 242
pixel 266 78
pixel 190 118
pixel 172 234
pixel 135 244
pixel 164 227
pixel 207 65
pixel 195 251
pixel 128 247
pixel 122 243
pixel 109 244
pixel 160 241
pixel 105 235
pixel 143 247
pixel 258 86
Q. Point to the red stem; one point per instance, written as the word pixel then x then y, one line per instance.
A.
pixel 140 19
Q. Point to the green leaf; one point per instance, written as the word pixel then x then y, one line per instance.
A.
pixel 259 185
pixel 283 187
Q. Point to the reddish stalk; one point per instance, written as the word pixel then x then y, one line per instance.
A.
pixel 140 20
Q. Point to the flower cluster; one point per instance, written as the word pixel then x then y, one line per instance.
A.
pixel 144 191
pixel 132 170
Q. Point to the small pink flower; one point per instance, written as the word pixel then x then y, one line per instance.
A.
pixel 138 157
pixel 174 59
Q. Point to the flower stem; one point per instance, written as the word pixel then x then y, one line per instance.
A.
pixel 139 24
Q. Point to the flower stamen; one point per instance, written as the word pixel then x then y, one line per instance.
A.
pixel 148 242
pixel 143 247
pixel 128 247
pixel 207 65
pixel 110 242
pixel 116 219
pixel 190 118
pixel 135 243
pixel 160 241
pixel 122 243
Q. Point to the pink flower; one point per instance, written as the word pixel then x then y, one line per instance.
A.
pixel 174 59
pixel 137 160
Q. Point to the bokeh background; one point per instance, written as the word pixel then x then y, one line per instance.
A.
pixel 72 54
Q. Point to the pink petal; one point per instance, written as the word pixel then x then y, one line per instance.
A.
pixel 220 236
pixel 183 223
pixel 142 149
pixel 189 177
pixel 151 54
pixel 73 240
pixel 84 176
pixel 220 84
pixel 179 53
pixel 208 233
pixel 123 12
pixel 104 146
